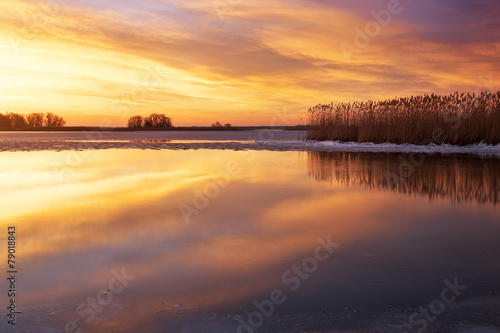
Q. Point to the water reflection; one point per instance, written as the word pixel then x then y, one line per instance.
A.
pixel 119 209
pixel 151 141
pixel 453 177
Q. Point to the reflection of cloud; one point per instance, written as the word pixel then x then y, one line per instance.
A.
pixel 260 56
pixel 456 178
pixel 237 249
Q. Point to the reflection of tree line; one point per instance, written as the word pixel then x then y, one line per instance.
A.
pixel 454 177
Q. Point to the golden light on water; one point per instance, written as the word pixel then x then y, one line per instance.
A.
pixel 121 209
pixel 133 195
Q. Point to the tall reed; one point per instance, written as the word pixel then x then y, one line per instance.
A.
pixel 458 119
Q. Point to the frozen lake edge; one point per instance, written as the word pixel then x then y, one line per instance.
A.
pixel 13 145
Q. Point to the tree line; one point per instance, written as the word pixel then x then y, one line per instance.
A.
pixel 218 125
pixel 154 120
pixel 16 120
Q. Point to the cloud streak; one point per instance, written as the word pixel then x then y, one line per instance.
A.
pixel 78 59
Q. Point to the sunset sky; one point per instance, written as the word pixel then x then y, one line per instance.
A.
pixel 245 62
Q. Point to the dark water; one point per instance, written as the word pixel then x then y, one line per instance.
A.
pixel 253 241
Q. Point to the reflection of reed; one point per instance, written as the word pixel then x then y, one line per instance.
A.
pixel 457 178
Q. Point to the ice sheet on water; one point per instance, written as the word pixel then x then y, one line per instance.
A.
pixel 124 142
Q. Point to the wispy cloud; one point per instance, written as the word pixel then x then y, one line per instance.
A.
pixel 78 58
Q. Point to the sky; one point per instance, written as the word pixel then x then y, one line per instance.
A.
pixel 244 62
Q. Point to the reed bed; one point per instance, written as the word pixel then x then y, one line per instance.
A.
pixel 458 119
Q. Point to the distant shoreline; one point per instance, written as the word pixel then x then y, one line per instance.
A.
pixel 126 129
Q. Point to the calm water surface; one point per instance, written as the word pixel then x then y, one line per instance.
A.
pixel 199 241
pixel 175 135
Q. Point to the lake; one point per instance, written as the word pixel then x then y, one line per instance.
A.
pixel 158 239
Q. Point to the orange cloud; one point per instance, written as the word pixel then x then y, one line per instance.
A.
pixel 200 62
